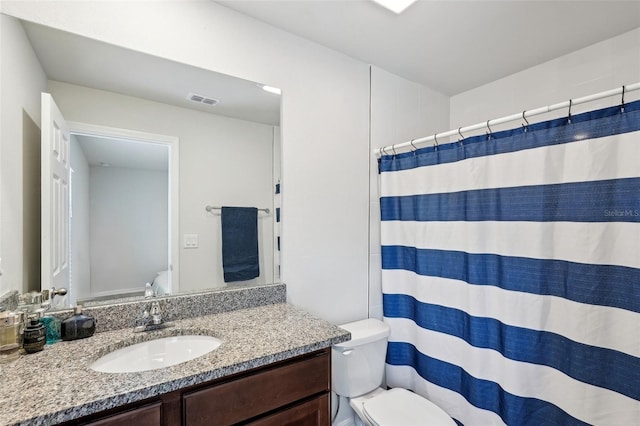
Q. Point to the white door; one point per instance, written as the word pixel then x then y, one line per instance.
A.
pixel 55 196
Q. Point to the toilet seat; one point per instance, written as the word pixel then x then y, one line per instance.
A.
pixel 400 407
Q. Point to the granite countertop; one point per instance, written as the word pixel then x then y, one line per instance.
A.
pixel 57 384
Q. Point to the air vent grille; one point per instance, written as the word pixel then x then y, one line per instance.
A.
pixel 202 99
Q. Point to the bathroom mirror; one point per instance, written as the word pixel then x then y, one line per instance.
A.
pixel 226 131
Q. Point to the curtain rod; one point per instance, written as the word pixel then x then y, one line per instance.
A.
pixel 521 116
pixel 210 208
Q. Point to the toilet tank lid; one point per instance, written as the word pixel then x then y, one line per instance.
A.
pixel 364 331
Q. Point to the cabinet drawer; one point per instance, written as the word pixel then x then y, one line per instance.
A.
pixel 250 396
pixel 149 415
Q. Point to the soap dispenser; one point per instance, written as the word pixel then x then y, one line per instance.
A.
pixel 78 326
pixel 35 336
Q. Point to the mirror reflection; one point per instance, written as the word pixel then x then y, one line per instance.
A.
pixel 119 221
pixel 152 143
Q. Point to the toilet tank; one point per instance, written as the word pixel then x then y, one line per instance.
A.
pixel 357 365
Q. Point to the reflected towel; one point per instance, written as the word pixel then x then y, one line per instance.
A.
pixel 240 243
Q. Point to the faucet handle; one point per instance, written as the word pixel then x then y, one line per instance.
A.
pixel 142 320
pixel 156 314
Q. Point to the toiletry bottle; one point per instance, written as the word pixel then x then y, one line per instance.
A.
pixel 79 326
pixel 35 336
pixel 10 337
pixel 52 327
pixel 148 291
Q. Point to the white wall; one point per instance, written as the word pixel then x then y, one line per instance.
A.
pixel 223 161
pixel 21 81
pixel 602 66
pixel 31 202
pixel 325 106
pixel 80 272
pixel 401 110
pixel 129 228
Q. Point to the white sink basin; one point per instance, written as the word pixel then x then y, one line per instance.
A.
pixel 153 354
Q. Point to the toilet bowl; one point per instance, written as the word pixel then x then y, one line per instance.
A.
pixel 357 373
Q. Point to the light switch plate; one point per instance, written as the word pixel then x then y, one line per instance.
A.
pixel 190 241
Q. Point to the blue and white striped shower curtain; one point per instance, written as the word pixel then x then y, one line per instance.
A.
pixel 511 272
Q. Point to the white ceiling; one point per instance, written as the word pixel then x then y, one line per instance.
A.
pixel 449 45
pixel 112 152
pixel 81 61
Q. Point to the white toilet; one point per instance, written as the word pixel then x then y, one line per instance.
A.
pixel 357 373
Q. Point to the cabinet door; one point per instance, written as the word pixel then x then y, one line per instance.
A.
pixel 148 415
pixel 311 413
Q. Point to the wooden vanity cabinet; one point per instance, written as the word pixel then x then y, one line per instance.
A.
pixel 291 392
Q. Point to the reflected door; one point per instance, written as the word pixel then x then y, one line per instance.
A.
pixel 55 195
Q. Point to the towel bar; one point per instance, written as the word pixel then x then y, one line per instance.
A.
pixel 210 208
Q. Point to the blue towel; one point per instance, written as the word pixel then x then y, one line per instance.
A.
pixel 240 243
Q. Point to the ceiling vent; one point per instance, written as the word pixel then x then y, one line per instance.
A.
pixel 202 99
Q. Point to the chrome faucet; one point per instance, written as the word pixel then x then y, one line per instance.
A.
pixel 151 318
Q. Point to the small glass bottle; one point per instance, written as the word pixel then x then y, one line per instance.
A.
pixel 10 337
pixel 52 328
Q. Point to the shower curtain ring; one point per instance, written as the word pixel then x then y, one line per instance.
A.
pixel 525 120
pixel 570 105
pixel 622 106
pixel 490 131
pixel 460 133
pixel 414 147
pixel 393 148
pixel 435 139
